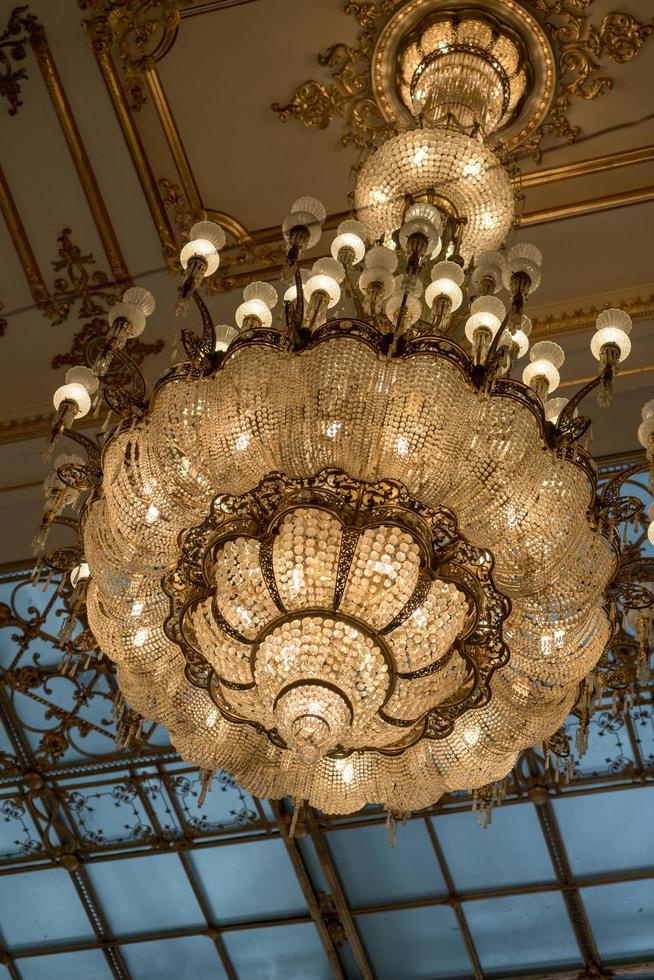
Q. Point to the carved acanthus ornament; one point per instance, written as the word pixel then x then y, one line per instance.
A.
pixel 143 32
pixel 13 48
pixel 94 293
pixel 350 95
pixel 581 49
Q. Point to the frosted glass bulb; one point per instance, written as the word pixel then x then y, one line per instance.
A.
pixel 519 339
pixel 329 267
pixel 263 291
pixel 225 333
pixel 79 573
pixel 412 308
pixel 75 393
pixel 487 312
pixel 377 274
pixel 549 351
pixel 614 318
pixel 380 256
pixel 422 219
pixel 210 231
pixel 490 265
pixel 312 205
pixel 425 212
pixel 254 307
pixel 647 411
pixel 553 408
pixel 306 212
pixel 130 312
pixel 142 298
pixel 83 376
pixel 350 234
pixel 525 325
pixel 444 287
pixel 524 250
pixel 202 248
pixel 650 533
pixel 646 432
pixel 610 335
pixel 542 369
pixel 325 284
pixel 448 270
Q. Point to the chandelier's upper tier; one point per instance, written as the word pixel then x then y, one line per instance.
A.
pixel 467 70
pixel 444 166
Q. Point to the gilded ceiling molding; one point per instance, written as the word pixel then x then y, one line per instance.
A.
pixel 26 256
pixel 245 252
pixel 13 48
pixel 143 31
pixel 581 49
pixel 100 39
pixel 573 321
pixel 85 172
pixel 31 32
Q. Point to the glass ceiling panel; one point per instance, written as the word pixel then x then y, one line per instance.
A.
pixel 627 816
pixel 147 893
pixel 522 932
pixel 226 805
pixel 18 835
pixel 186 958
pixel 511 851
pixel 278 953
pixel 249 881
pixel 415 944
pixel 609 750
pixel 41 907
pixel 87 964
pixel 622 917
pixel 109 813
pixel 373 873
pixel 643 721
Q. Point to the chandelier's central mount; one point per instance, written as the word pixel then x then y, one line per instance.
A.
pixel 459 82
pixel 483 68
pixel 339 615
pixel 465 68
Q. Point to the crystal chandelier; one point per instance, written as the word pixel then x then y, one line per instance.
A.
pixel 341 550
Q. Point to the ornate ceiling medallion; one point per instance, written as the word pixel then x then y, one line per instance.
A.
pixel 499 54
pixel 566 50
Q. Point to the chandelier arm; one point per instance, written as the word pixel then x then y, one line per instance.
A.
pixel 92 449
pixel 566 430
pixel 298 306
pixel 353 293
pixel 493 355
pixel 121 397
pixel 200 350
pixel 612 489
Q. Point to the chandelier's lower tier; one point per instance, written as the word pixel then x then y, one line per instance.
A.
pixel 247 658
